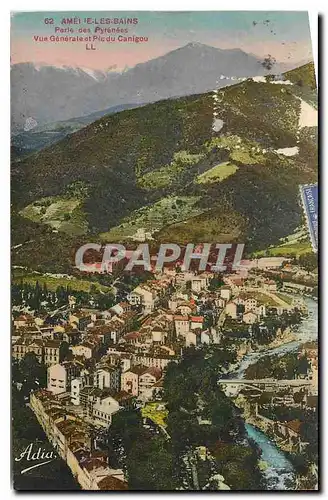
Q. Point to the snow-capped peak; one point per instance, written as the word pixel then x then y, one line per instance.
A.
pixel 95 74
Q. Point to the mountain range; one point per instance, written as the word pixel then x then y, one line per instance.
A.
pixel 221 166
pixel 50 94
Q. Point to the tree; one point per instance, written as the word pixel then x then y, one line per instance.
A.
pixel 64 351
pixel 24 424
pixel 151 465
pixel 126 428
pixel 239 465
pixel 298 396
pixel 33 373
pixel 216 283
pixel 308 261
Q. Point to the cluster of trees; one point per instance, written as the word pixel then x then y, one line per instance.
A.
pixel 200 414
pixel 145 456
pixel 39 298
pixel 309 261
pixel 306 460
pixel 24 425
pixel 286 414
pixel 236 329
pixel 286 367
pixel 28 374
pixel 216 283
pixel 267 331
pixel 77 189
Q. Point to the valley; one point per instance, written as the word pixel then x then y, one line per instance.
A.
pixel 116 179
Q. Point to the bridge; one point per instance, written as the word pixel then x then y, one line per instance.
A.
pixel 235 385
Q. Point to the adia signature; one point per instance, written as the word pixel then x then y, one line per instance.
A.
pixel 39 455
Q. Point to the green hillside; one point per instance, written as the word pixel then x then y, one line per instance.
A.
pixel 217 173
pixel 63 214
pixel 304 76
pixel 163 168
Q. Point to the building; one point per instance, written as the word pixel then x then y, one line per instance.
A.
pixel 86 349
pixel 200 281
pixel 159 335
pixel 70 335
pixel 193 337
pixel 24 320
pixel 270 285
pixel 250 304
pixel 134 298
pixel 181 324
pixel 314 375
pixel 154 360
pixel 76 386
pixel 103 409
pixel 261 310
pixel 148 379
pixel 52 352
pixel 130 379
pixel 80 319
pixel 249 318
pixel 206 337
pixel 59 376
pixel 88 395
pixel 270 262
pixel 24 345
pixel 71 438
pixel 231 310
pixel 107 377
pixel 121 308
pixel 184 308
pixel 196 284
pixel 225 292
pixel 196 322
pixel 144 296
pixel 133 338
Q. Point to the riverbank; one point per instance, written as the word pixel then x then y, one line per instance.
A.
pixel 264 425
pixel 288 335
pixel 279 470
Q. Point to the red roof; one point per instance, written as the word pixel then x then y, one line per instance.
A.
pixel 294 425
pixel 96 265
pixel 156 372
pixel 197 319
pixel 132 335
pixel 112 483
pixel 137 370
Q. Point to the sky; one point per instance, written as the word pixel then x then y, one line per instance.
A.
pixel 283 35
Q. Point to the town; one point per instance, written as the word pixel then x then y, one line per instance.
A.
pixel 101 363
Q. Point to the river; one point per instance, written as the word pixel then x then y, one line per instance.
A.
pixel 280 471
pixel 306 331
